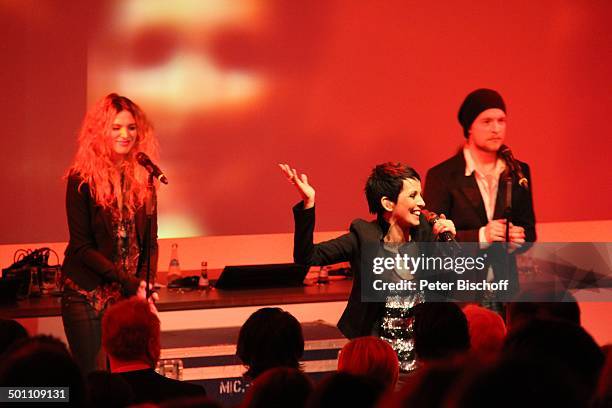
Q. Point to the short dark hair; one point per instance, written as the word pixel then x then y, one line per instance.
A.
pixel 440 330
pixel 387 180
pixel 271 337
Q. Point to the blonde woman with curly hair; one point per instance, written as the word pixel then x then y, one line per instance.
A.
pixel 105 204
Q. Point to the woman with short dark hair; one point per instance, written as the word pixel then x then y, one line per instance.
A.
pixel 393 192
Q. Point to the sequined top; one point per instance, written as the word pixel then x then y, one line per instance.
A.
pixel 396 324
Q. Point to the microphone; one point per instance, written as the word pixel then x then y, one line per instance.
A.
pixel 155 171
pixel 432 218
pixel 515 167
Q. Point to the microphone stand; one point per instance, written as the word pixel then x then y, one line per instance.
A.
pixel 150 208
pixel 508 216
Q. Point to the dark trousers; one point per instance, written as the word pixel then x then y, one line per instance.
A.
pixel 83 328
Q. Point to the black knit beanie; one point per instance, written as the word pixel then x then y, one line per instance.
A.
pixel 475 103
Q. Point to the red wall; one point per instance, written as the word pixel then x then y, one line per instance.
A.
pixel 343 86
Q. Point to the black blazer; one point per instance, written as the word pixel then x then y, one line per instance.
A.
pixel 359 318
pixel 449 191
pixel 92 245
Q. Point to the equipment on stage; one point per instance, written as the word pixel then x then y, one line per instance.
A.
pixel 30 275
pixel 514 166
pixel 153 170
pixel 258 276
pixel 188 282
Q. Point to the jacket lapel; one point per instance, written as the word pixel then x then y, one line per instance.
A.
pixel 469 188
pixel 108 222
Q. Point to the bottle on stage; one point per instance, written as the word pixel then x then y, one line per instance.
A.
pixel 174 269
pixel 204 283
pixel 323 275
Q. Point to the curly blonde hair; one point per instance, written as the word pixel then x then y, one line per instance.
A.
pixel 93 161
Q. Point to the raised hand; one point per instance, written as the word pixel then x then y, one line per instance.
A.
pixel 307 192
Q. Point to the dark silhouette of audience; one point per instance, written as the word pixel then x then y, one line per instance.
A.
pixel 542 303
pixel 466 359
pixel 131 338
pixel 556 342
pixel 10 332
pixel 189 402
pixel 603 394
pixel 429 386
pixel 43 361
pixel 440 331
pixel 108 390
pixel 371 357
pixel 271 337
pixel 346 390
pixel 278 388
pixel 515 382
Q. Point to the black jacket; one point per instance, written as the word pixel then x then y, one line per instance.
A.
pixel 92 245
pixel 449 191
pixel 357 247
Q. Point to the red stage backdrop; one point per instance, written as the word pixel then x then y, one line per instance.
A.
pixel 332 87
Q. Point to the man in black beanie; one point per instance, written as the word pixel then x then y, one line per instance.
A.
pixel 469 188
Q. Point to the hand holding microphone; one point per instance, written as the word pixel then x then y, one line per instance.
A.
pixel 443 228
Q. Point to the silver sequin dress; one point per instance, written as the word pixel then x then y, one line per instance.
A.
pixel 396 324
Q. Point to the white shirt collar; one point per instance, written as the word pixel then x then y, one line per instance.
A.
pixel 470 165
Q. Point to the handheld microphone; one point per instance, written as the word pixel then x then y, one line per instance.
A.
pixel 515 167
pixel 155 171
pixel 432 218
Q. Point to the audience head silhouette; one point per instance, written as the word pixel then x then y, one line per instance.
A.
pixel 440 331
pixel 372 357
pixel 131 332
pixel 271 337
